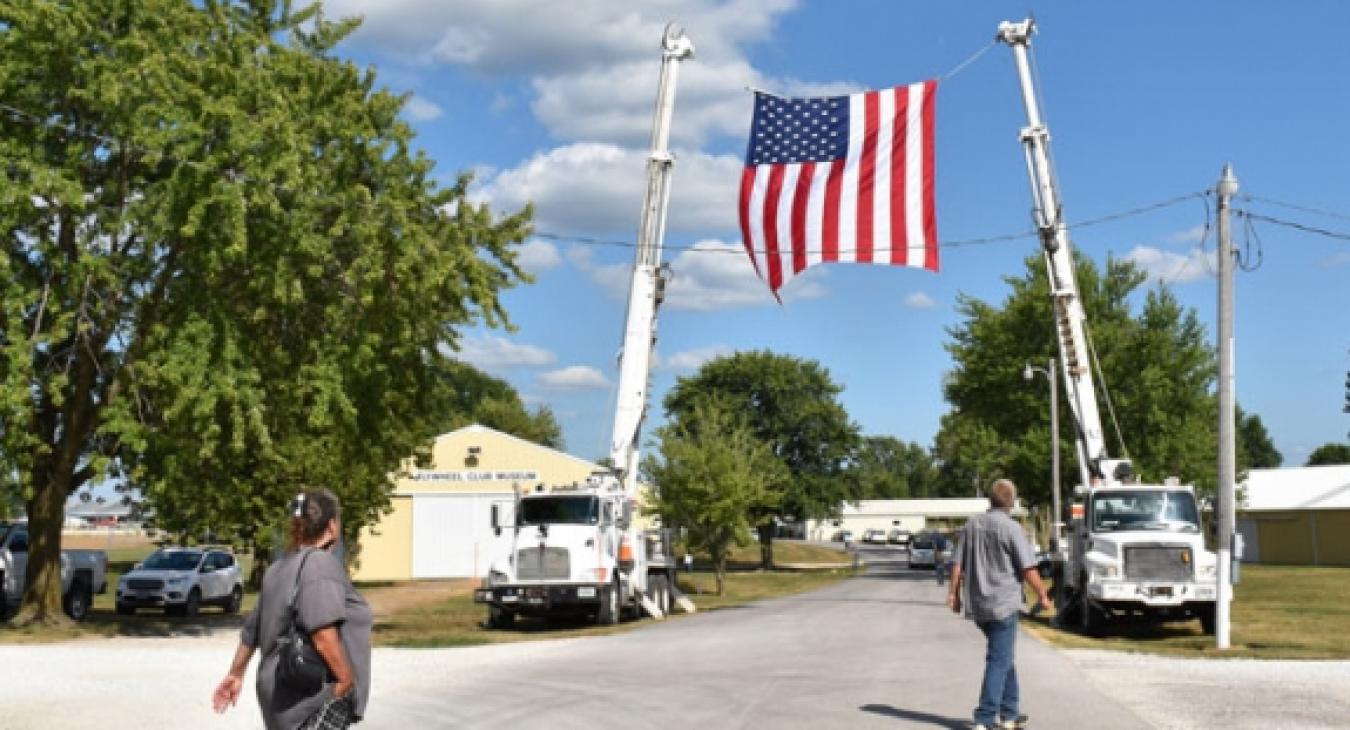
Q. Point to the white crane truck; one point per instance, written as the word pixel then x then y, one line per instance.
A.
pixel 1136 549
pixel 578 548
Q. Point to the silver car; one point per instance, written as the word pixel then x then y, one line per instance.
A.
pixel 923 551
pixel 181 581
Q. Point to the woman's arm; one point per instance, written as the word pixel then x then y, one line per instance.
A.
pixel 329 644
pixel 227 692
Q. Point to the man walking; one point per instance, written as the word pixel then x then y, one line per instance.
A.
pixel 993 557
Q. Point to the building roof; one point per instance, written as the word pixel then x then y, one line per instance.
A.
pixel 948 507
pixel 479 428
pixel 1301 488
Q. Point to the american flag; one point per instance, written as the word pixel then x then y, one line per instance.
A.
pixel 840 179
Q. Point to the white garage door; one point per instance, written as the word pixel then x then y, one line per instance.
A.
pixel 452 535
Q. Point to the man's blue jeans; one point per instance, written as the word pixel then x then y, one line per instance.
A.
pixel 998 693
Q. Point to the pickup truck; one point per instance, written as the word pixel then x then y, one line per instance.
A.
pixel 83 572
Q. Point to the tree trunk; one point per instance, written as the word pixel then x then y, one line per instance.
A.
pixel 720 570
pixel 766 546
pixel 42 584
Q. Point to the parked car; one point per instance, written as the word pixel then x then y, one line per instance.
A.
pixel 181 581
pixel 843 536
pixel 83 572
pixel 898 536
pixel 923 551
pixel 874 537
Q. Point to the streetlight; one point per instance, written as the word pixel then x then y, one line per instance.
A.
pixel 1028 372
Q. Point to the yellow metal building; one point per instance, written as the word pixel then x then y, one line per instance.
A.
pixel 1298 516
pixel 441 525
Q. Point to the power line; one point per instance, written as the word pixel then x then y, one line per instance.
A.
pixel 1295 206
pixel 1295 225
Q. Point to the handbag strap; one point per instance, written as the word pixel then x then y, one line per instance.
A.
pixel 295 589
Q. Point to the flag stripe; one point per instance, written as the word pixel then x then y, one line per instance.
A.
pixel 930 260
pixel 899 246
pixel 747 239
pixel 914 175
pixel 771 194
pixel 801 200
pixel 815 212
pixel 848 191
pixel 833 195
pixel 783 224
pixel 867 171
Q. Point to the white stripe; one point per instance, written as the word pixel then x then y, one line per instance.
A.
pixel 756 241
pixel 881 194
pixel 914 177
pixel 815 213
pixel 848 191
pixel 785 242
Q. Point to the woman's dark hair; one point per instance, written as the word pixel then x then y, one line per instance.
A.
pixel 311 511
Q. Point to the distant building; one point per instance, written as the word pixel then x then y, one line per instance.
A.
pixel 1296 516
pixel 914 515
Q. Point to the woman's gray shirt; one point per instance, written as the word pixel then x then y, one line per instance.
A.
pixel 326 598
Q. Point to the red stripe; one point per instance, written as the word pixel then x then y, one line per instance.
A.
pixel 771 226
pixel 867 171
pixel 800 198
pixel 899 137
pixel 829 245
pixel 747 187
pixel 930 259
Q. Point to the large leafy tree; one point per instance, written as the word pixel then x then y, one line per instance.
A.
pixel 226 274
pixel 1329 454
pixel 793 406
pixel 711 478
pixel 1158 369
pixel 888 468
pixel 1254 442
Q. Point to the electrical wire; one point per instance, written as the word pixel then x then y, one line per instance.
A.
pixel 1328 233
pixel 1294 206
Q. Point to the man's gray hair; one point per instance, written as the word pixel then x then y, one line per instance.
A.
pixel 1003 495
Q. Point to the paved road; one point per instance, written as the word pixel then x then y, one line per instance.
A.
pixel 879 651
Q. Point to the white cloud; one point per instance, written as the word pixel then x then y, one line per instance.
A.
pixel 919 300
pixel 493 352
pixel 1172 268
pixel 1341 258
pixel 589 186
pixel 1188 237
pixel 574 377
pixel 538 256
pixel 690 360
pixel 419 109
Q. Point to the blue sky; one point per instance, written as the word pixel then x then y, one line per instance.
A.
pixel 551 102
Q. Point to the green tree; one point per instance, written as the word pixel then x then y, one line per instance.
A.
pixel 1158 370
pixel 1329 454
pixel 227 273
pixel 888 468
pixel 480 398
pixel 793 406
pixel 1256 450
pixel 711 479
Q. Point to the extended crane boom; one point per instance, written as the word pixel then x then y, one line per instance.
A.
pixel 647 288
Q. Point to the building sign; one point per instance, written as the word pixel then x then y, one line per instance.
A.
pixel 476 476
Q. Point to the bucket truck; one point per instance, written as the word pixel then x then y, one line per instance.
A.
pixel 1135 549
pixel 578 548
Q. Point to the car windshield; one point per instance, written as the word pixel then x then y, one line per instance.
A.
pixel 172 560
pixel 559 510
pixel 1144 510
pixel 923 544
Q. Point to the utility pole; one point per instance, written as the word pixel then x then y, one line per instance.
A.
pixel 1225 190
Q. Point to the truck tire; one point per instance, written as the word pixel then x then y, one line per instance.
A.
pixel 125 609
pixel 500 618
pixel 1207 620
pixel 1090 619
pixel 79 599
pixel 659 592
pixel 608 613
pixel 235 601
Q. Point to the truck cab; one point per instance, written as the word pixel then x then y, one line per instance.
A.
pixel 1140 550
pixel 574 551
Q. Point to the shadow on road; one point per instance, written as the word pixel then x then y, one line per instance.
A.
pixel 916 716
pixel 146 624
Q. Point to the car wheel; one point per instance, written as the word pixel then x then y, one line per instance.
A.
pixel 194 602
pixel 608 615
pixel 235 601
pixel 78 600
pixel 500 618
pixel 124 609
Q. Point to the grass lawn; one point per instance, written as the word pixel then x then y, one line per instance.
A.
pixel 1279 612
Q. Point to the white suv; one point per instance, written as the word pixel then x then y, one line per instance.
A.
pixel 182 580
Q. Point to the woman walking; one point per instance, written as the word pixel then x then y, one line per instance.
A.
pixel 327 608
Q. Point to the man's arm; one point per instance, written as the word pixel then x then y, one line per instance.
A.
pixel 954 595
pixel 1033 578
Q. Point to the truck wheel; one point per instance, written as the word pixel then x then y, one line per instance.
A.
pixel 78 600
pixel 124 609
pixel 1090 619
pixel 608 615
pixel 235 601
pixel 1207 620
pixel 194 602
pixel 499 618
pixel 660 593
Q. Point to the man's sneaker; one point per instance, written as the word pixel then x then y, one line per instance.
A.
pixel 1018 724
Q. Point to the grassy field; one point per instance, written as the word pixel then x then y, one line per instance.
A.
pixel 1279 612
pixel 458 621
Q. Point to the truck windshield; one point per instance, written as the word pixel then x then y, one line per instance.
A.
pixel 1129 509
pixel 559 510
pixel 176 560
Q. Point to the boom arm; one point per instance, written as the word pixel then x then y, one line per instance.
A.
pixel 647 288
pixel 1068 305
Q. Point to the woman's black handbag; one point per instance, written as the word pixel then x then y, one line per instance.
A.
pixel 299 665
